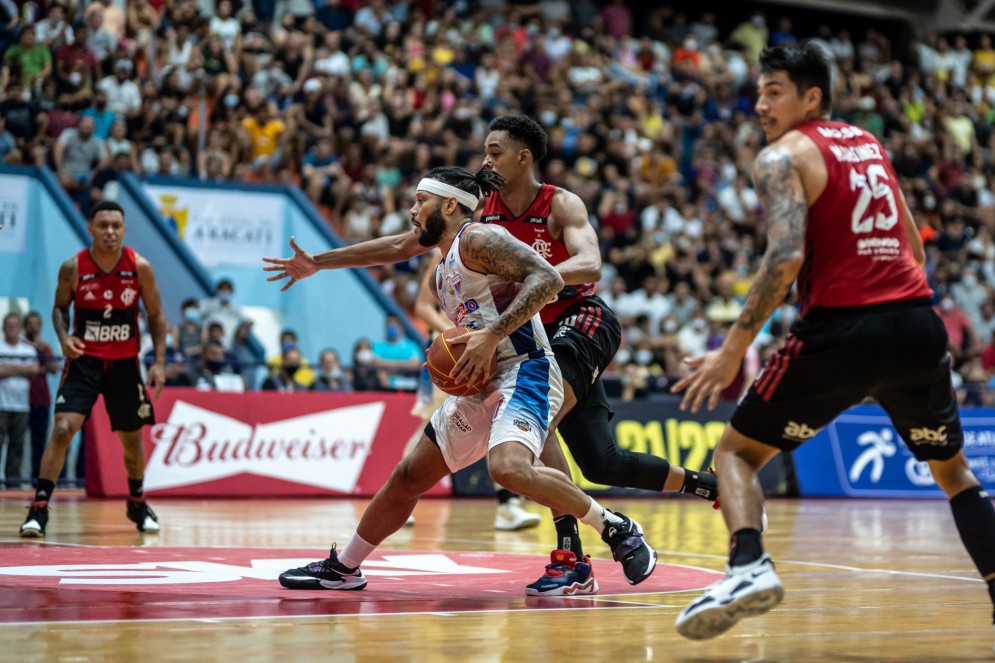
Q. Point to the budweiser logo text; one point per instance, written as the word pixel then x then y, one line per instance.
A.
pixel 326 449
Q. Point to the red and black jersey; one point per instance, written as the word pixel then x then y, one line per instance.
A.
pixel 106 304
pixel 856 249
pixel 532 227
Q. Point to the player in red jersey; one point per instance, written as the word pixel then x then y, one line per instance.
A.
pixel 583 332
pixel 838 223
pixel 103 283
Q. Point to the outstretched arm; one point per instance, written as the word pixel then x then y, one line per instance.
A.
pixel 491 250
pixel 780 188
pixel 379 251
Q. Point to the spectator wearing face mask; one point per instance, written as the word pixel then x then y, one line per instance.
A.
pixel 283 379
pixel 177 368
pixel 398 355
pixel 331 376
pixel 221 309
pixel 191 329
pixel 366 376
pixel 304 374
pixel 215 373
pixel 958 329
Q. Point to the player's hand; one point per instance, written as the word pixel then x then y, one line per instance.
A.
pixel 474 366
pixel 156 380
pixel 73 347
pixel 298 267
pixel 710 374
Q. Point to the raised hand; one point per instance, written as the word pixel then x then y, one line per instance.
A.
pixel 296 268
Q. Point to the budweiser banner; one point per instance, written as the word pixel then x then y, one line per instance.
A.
pixel 259 444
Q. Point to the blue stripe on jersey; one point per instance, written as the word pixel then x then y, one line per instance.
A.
pixel 532 389
pixel 523 339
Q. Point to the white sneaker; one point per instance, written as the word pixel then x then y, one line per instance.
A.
pixel 747 590
pixel 511 516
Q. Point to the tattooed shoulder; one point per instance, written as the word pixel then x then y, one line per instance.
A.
pixel 488 248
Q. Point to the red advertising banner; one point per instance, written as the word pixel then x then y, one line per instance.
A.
pixel 265 444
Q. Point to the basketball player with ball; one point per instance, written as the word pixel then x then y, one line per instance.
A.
pixel 492 286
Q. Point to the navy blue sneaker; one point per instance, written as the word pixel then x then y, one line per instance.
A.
pixel 565 576
pixel 329 573
pixel 629 548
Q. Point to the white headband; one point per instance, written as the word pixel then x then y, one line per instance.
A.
pixel 464 198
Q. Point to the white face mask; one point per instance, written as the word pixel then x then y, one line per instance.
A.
pixel 364 356
pixel 644 357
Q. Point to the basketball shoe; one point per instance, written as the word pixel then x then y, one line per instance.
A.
pixel 34 525
pixel 143 516
pixel 511 516
pixel 751 589
pixel 629 548
pixel 565 576
pixel 328 573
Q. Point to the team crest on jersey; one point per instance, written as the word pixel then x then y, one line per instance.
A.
pixel 108 294
pixel 471 305
pixel 542 247
pixel 128 296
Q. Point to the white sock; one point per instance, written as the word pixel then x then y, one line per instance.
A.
pixel 599 517
pixel 355 552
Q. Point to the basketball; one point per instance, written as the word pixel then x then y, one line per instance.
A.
pixel 442 356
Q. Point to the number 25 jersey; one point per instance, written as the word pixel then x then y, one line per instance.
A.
pixel 856 249
pixel 106 304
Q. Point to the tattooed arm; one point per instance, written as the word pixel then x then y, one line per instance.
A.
pixel 491 249
pixel 782 191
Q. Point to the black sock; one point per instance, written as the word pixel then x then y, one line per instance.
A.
pixel 567 536
pixel 135 489
pixel 701 484
pixel 45 490
pixel 745 546
pixel 504 496
pixel 975 520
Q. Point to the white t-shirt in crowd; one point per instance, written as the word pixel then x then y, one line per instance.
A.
pixel 14 390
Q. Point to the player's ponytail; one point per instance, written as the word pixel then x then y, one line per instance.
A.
pixel 489 181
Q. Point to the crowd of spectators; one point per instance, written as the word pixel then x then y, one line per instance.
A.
pixel 650 123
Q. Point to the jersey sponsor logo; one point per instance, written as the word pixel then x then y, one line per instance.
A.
pixel 471 305
pixel 458 420
pixel 327 449
pixel 87 277
pixel 491 218
pixel 542 247
pixel 840 132
pixel 100 333
pixel 128 296
pixel 126 274
pixel 935 437
pixel 798 432
pixel 541 220
pixel 108 294
pixel 89 296
pixel 523 425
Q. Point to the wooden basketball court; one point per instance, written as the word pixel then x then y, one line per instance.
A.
pixel 866 580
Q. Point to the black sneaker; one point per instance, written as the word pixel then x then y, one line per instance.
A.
pixel 638 559
pixel 34 525
pixel 143 516
pixel 327 574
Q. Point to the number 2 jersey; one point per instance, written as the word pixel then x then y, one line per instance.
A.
pixel 856 249
pixel 106 315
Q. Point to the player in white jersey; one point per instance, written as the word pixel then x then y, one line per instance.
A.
pixel 493 285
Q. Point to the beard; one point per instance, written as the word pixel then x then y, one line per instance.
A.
pixel 435 225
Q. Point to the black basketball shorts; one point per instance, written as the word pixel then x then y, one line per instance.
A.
pixel 833 359
pixel 120 382
pixel 584 339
